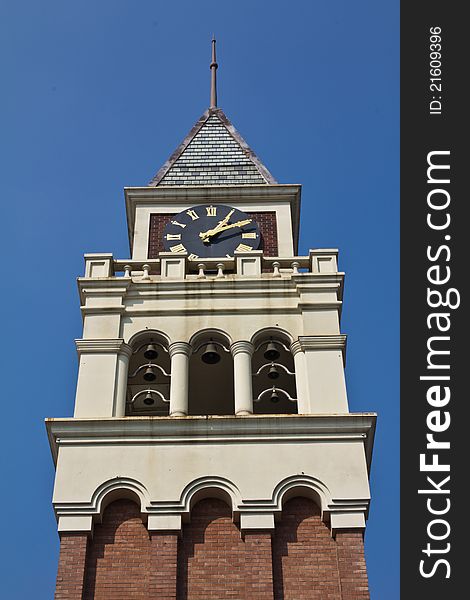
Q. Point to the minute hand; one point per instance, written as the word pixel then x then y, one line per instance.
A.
pixel 222 227
pixel 237 224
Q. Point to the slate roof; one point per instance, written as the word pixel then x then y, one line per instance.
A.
pixel 213 153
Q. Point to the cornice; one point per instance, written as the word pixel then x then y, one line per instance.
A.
pixel 213 430
pixel 100 346
pixel 324 342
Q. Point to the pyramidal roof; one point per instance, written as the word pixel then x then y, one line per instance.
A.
pixel 213 153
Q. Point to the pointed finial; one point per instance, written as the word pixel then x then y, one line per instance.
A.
pixel 213 69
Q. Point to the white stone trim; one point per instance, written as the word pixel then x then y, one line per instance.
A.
pixel 75 524
pixel 257 521
pixel 322 342
pixel 347 520
pixel 99 346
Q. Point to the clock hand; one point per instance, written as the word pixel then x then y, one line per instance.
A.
pixel 218 229
pixel 204 235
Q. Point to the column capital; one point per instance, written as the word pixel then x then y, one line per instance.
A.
pixel 179 348
pixel 126 350
pixel 242 346
pixel 296 347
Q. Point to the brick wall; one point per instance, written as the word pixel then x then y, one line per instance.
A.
pixel 71 569
pixel 352 565
pixel 299 561
pixel 119 558
pixel 266 222
pixel 304 555
pixel 211 558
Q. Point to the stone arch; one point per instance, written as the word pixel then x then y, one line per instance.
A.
pixel 267 332
pixel 119 488
pixel 303 486
pixel 210 487
pixel 139 336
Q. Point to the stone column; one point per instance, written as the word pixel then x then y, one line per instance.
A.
pixel 242 352
pixel 301 382
pixel 179 385
pixel 124 355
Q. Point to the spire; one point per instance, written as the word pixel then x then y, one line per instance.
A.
pixel 213 69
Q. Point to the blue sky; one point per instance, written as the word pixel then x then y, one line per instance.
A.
pixel 96 96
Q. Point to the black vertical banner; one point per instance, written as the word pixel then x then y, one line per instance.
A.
pixel 435 250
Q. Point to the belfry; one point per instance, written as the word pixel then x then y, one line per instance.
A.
pixel 212 453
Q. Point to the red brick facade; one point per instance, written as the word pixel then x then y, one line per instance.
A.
pixel 299 561
pixel 71 570
pixel 119 563
pixel 304 555
pixel 266 223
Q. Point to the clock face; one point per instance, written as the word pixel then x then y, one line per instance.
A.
pixel 214 230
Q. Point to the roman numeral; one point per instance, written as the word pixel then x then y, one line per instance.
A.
pixel 193 257
pixel 243 248
pixel 173 236
pixel 193 214
pixel 249 235
pixel 178 248
pixel 179 224
pixel 211 211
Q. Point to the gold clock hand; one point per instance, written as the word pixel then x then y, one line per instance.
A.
pixel 210 232
pixel 231 225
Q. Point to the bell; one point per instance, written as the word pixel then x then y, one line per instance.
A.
pixel 149 375
pixel 273 373
pixel 148 400
pixel 274 396
pixel 271 352
pixel 151 352
pixel 210 356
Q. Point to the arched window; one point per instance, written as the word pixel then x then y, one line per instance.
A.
pixel 211 375
pixel 148 383
pixel 274 390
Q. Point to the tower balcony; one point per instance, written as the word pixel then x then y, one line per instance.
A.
pixel 178 266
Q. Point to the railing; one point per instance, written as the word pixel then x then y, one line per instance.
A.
pixel 179 266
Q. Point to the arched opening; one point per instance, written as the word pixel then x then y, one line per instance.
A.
pixel 119 559
pixel 274 389
pixel 211 375
pixel 302 543
pixel 211 555
pixel 148 382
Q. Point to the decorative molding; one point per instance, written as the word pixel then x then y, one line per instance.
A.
pixel 256 513
pixel 179 348
pixel 242 346
pixel 228 429
pixel 322 342
pixel 101 346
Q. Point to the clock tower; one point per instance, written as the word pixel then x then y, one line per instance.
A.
pixel 212 453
